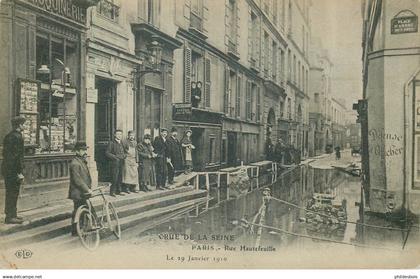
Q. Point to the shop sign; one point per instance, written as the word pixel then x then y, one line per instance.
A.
pixel 405 24
pixel 92 95
pixel 64 8
pixel 182 109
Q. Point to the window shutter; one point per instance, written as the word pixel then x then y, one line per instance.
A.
pixel 238 97
pixel 250 33
pixel 207 85
pixel 226 95
pixel 248 100
pixel 258 112
pixel 187 75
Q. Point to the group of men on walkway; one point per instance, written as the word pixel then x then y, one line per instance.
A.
pixel 147 163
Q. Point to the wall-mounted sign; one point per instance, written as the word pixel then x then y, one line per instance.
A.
pixel 64 8
pixel 404 22
pixel 182 109
pixel 92 95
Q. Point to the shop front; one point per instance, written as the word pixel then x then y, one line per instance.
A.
pixel 243 141
pixel 42 79
pixel 206 127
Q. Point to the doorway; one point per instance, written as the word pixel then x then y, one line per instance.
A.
pixel 105 124
pixel 232 148
pixel 198 154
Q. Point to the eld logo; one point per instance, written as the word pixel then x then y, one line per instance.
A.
pixel 23 254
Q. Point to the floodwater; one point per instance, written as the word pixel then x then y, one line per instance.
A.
pixel 225 221
pixel 250 227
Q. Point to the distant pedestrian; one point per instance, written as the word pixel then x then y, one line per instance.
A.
pixel 176 165
pixel 188 147
pixel 337 152
pixel 115 152
pixel 278 151
pixel 147 164
pixel 130 177
pixel 80 181
pixel 12 169
pixel 162 159
pixel 269 149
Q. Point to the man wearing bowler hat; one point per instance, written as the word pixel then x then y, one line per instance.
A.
pixel 80 181
pixel 12 168
pixel 162 159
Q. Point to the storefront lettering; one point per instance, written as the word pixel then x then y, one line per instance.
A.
pixel 390 151
pixel 64 8
pixel 381 135
pixel 385 144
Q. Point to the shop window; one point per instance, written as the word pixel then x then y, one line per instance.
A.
pixel 212 150
pixel 57 61
pixel 224 150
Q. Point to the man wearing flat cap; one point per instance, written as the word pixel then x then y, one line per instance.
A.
pixel 80 181
pixel 162 159
pixel 12 168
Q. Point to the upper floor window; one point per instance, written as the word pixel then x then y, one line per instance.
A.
pixel 274 70
pixel 196 16
pixel 108 9
pixel 316 97
pixel 266 51
pixel 232 25
pixel 254 36
pixel 289 64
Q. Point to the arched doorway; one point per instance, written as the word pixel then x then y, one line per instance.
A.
pixel 271 121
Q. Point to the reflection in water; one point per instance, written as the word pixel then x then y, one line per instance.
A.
pixel 323 201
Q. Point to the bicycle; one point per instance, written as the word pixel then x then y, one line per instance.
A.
pixel 89 225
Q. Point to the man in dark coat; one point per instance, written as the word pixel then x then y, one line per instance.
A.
pixel 12 168
pixel 115 152
pixel 162 159
pixel 269 149
pixel 176 165
pixel 80 181
pixel 278 150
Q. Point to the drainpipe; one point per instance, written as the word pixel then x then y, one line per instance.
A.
pixel 406 132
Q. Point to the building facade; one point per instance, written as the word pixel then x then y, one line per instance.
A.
pixel 320 94
pixel 388 111
pixel 297 103
pixel 43 79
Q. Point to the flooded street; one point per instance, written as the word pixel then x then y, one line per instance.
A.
pixel 288 226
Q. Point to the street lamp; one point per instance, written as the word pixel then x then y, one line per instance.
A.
pixel 154 58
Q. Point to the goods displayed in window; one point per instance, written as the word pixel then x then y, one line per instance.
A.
pixel 52 104
pixel 28 108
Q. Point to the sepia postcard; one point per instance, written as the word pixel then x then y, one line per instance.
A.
pixel 216 134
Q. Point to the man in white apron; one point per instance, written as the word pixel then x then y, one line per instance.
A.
pixel 130 175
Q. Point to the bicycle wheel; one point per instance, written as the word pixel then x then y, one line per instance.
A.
pixel 87 228
pixel 112 220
